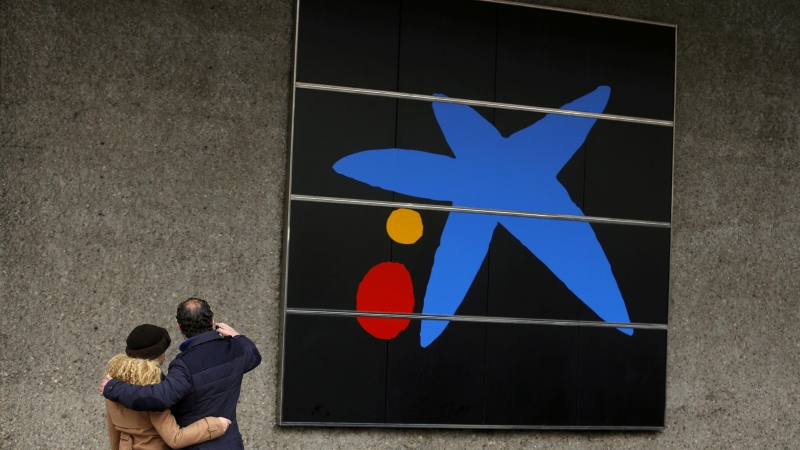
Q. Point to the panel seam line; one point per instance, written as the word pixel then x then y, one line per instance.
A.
pixel 477 319
pixel 473 210
pixel 482 103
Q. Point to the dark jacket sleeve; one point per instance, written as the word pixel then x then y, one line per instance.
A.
pixel 252 357
pixel 153 397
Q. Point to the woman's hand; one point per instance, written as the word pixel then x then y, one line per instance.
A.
pixel 225 423
pixel 225 330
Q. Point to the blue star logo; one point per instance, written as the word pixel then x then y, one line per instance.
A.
pixel 489 171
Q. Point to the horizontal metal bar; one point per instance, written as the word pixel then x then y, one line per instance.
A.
pixel 467 426
pixel 478 319
pixel 583 13
pixel 498 212
pixel 461 101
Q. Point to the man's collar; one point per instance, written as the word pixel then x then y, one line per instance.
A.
pixel 199 339
pixel 185 344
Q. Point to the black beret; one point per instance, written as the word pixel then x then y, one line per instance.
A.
pixel 147 342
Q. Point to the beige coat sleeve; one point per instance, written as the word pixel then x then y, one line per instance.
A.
pixel 203 430
pixel 113 433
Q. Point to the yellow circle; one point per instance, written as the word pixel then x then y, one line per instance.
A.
pixel 404 226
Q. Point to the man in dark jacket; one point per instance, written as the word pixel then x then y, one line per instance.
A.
pixel 205 379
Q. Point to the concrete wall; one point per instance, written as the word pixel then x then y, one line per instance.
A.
pixel 142 153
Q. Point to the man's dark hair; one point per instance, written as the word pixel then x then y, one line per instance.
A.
pixel 194 317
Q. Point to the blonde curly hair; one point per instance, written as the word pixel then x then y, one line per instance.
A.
pixel 134 370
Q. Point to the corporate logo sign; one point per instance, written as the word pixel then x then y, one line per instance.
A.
pixel 478 217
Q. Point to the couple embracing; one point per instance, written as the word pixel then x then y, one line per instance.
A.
pixel 194 406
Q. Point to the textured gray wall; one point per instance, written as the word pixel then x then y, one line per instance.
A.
pixel 142 155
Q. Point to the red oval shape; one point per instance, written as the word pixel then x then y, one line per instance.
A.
pixel 387 287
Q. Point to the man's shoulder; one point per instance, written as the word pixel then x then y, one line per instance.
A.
pixel 211 353
pixel 242 339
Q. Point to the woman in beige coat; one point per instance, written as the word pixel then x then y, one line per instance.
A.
pixel 150 430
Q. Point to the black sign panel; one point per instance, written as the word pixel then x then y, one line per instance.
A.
pixel 479 217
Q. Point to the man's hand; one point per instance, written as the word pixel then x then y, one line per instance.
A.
pixel 225 330
pixel 225 423
pixel 103 383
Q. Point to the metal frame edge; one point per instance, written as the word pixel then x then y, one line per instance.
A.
pixel 583 13
pixel 287 209
pixel 671 214
pixel 475 426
